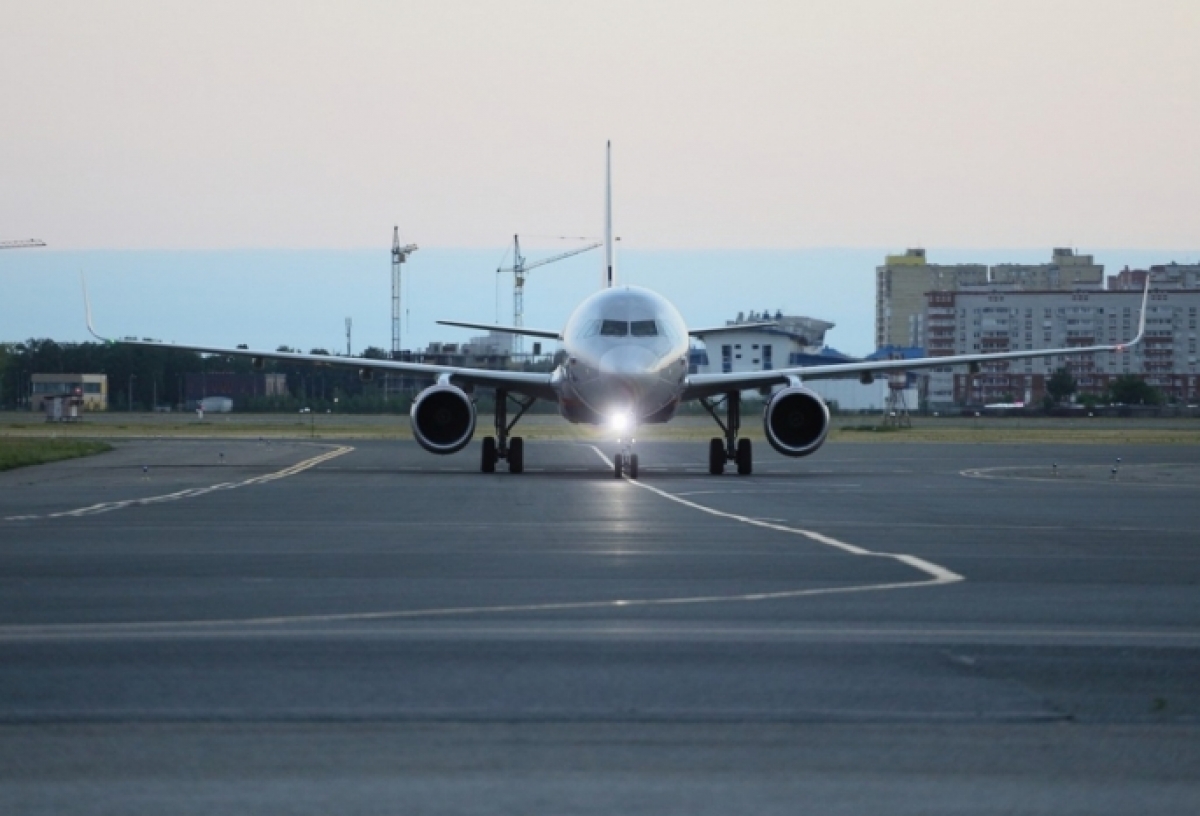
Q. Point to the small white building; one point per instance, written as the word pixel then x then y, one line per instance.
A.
pixel 764 348
pixel 792 341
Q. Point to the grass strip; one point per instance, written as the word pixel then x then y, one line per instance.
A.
pixel 18 452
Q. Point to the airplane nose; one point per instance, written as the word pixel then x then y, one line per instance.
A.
pixel 628 361
pixel 629 369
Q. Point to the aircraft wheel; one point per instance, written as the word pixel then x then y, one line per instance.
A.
pixel 488 459
pixel 516 455
pixel 745 457
pixel 633 466
pixel 618 465
pixel 716 456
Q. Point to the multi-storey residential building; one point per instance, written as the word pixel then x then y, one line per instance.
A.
pixel 998 321
pixel 1065 272
pixel 900 287
pixel 903 281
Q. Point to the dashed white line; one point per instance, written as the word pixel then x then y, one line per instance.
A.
pixel 191 493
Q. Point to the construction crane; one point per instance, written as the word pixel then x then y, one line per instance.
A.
pixel 519 270
pixel 32 242
pixel 399 256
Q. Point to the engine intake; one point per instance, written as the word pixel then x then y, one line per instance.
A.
pixel 443 419
pixel 796 421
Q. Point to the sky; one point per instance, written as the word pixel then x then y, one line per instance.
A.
pixel 855 127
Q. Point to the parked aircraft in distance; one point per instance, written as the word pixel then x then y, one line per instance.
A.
pixel 625 364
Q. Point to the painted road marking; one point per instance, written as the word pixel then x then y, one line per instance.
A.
pixel 191 493
pixel 938 574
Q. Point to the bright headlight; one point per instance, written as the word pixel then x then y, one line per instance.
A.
pixel 620 421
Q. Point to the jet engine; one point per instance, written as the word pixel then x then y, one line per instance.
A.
pixel 796 421
pixel 443 419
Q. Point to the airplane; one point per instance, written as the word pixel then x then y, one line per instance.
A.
pixel 625 365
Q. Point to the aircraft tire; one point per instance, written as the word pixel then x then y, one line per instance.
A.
pixel 516 455
pixel 618 465
pixel 487 462
pixel 745 457
pixel 633 466
pixel 716 456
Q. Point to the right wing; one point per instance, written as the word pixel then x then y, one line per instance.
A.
pixel 546 333
pixel 529 383
pixel 736 327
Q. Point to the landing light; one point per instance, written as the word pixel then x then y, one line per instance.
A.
pixel 620 421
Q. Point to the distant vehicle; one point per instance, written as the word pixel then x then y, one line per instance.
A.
pixel 216 405
pixel 625 364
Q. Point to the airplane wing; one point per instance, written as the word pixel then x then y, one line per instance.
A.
pixel 734 328
pixel 546 333
pixel 704 385
pixel 529 383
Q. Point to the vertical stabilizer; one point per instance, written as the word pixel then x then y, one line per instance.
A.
pixel 610 272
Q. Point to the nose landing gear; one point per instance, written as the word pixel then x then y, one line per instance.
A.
pixel 626 461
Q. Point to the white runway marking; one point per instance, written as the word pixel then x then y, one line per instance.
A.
pixel 191 493
pixel 1089 475
pixel 938 574
pixel 839 634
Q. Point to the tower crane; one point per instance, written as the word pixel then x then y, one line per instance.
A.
pixel 32 242
pixel 519 270
pixel 399 256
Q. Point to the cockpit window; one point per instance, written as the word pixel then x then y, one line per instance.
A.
pixel 614 328
pixel 643 328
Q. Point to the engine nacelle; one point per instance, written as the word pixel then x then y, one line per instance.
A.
pixel 443 419
pixel 796 421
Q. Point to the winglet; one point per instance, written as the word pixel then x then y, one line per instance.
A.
pixel 1142 319
pixel 87 309
pixel 610 278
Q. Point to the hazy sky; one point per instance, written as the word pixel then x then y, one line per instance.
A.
pixel 198 125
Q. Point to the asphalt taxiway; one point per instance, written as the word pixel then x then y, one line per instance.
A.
pixel 298 626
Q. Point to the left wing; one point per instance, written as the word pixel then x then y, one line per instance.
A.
pixel 736 327
pixel 704 385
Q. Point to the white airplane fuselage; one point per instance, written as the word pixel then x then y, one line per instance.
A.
pixel 626 352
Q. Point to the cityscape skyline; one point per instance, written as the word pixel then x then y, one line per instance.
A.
pixel 301 297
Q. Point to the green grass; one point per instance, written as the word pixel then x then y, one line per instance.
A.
pixel 22 452
pixel 848 429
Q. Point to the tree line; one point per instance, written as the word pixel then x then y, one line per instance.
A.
pixel 140 378
pixel 1127 389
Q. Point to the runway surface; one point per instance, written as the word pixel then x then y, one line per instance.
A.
pixel 191 626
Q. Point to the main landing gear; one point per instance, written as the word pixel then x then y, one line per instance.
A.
pixel 729 449
pixel 501 446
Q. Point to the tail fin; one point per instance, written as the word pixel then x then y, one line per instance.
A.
pixel 610 272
